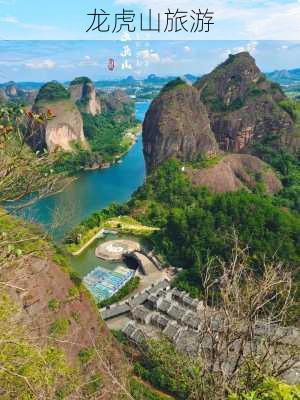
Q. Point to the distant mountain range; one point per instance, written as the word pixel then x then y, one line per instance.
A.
pixel 23 85
pixel 283 77
pixel 130 80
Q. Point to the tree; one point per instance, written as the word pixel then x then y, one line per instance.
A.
pixel 23 174
pixel 244 334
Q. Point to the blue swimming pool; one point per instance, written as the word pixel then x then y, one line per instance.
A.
pixel 104 284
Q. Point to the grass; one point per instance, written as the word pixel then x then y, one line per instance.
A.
pixel 22 238
pixel 203 161
pixel 126 224
pixel 123 224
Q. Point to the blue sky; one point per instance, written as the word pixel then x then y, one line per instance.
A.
pixel 64 60
pixel 67 19
pixel 43 40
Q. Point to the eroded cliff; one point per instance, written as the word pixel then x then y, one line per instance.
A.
pixel 65 128
pixel 225 111
pixel 83 93
pixel 176 125
pixel 242 104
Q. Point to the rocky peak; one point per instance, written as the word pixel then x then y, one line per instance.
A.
pixel 242 104
pixel 176 125
pixel 3 96
pixel 65 128
pixel 227 85
pixel 83 93
pixel 225 111
pixel 11 89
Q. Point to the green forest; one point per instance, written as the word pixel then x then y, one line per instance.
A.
pixel 105 135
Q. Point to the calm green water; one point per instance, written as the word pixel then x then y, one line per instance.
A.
pixel 87 261
pixel 92 191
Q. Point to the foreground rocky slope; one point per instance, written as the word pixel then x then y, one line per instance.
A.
pixel 52 314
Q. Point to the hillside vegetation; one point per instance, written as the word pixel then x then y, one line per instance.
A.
pixel 52 91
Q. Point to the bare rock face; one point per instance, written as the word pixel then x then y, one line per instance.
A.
pixel 65 128
pixel 242 104
pixel 3 96
pixel 115 100
pixel 83 93
pixel 236 171
pixel 11 90
pixel 176 125
pixel 225 111
pixel 119 103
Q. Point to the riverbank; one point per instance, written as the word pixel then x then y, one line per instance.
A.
pixel 129 140
pixel 121 224
pixel 88 243
pixel 91 191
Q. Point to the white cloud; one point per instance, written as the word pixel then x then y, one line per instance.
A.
pixel 167 60
pixel 250 47
pixel 9 20
pixel 88 62
pixel 38 27
pixel 187 49
pixel 239 19
pixel 280 22
pixel 148 56
pixel 40 64
pixel 16 21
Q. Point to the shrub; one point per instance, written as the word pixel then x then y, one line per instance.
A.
pixel 169 370
pixel 270 389
pixel 142 392
pixel 93 386
pixel 86 355
pixel 59 327
pixel 290 107
pixel 54 304
pixel 73 292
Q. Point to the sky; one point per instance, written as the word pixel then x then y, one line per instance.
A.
pixel 68 19
pixel 44 40
pixel 41 61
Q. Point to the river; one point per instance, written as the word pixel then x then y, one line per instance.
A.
pixel 91 191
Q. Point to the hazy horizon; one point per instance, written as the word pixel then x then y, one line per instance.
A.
pixel 41 61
